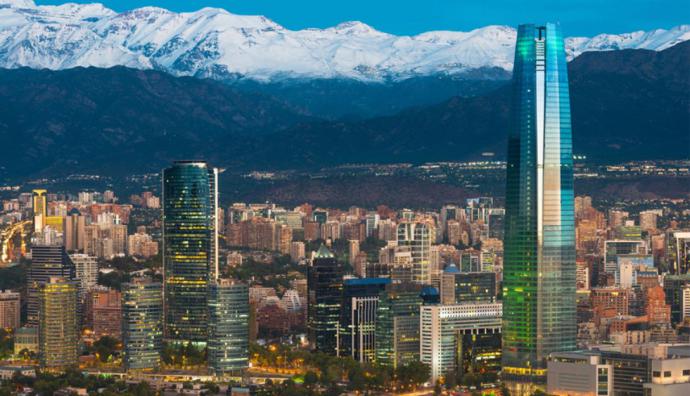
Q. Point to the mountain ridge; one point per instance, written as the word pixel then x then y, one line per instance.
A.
pixel 215 43
pixel 122 121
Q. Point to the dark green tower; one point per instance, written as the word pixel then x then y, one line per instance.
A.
pixel 190 253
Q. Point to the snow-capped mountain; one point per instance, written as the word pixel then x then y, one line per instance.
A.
pixel 215 43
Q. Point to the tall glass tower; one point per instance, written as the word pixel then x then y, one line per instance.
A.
pixel 539 267
pixel 190 248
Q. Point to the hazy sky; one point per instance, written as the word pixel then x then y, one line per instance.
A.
pixel 577 17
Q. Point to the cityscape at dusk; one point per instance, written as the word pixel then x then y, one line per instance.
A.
pixel 202 201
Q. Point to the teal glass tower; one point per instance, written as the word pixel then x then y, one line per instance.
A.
pixel 190 250
pixel 539 267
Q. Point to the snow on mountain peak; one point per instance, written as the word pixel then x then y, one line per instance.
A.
pixel 215 43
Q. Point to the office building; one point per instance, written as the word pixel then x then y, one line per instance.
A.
pixel 418 236
pixel 673 288
pixel 74 231
pixel 578 373
pixel 670 377
pixel 397 324
pixel 40 209
pixel 325 287
pixel 460 338
pixel 58 335
pixel 464 287
pixel 678 252
pixel 142 325
pixel 539 265
pixel 47 261
pixel 10 309
pixel 228 329
pixel 357 329
pixel 190 250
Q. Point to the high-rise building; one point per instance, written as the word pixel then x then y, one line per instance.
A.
pixel 228 330
pixel 85 272
pixel 10 308
pixel 47 261
pixel 142 324
pixel 325 287
pixel 40 209
pixel 465 287
pixel 539 315
pixel 459 338
pixel 397 324
pixel 74 231
pixel 357 329
pixel 190 248
pixel 678 252
pixel 103 312
pixel 58 336
pixel 418 236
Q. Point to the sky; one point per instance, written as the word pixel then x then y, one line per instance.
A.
pixel 408 17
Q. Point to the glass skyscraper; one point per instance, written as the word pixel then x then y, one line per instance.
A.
pixel 142 327
pixel 190 251
pixel 539 312
pixel 228 333
pixel 325 288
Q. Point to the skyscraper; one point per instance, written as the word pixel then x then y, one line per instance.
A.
pixel 40 208
pixel 539 269
pixel 47 261
pixel 357 330
pixel 397 324
pixel 58 336
pixel 418 236
pixel 142 324
pixel 190 251
pixel 325 287
pixel 228 332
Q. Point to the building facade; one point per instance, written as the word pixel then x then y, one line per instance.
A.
pixel 228 331
pixel 58 335
pixel 142 325
pixel 539 267
pixel 190 250
pixel 449 334
pixel 325 287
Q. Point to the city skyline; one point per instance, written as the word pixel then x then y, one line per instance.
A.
pixel 245 209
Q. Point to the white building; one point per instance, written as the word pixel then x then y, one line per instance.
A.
pixel 670 377
pixel 440 326
pixel 575 373
pixel 86 271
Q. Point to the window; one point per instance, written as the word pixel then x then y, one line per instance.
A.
pixel 686 372
pixel 667 374
pixel 656 374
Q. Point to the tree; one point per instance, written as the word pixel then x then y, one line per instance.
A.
pixel 310 378
pixel 105 347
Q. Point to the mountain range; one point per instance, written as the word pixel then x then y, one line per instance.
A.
pixel 626 105
pixel 214 43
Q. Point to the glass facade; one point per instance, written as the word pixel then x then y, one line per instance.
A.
pixel 397 325
pixel 228 331
pixel 58 336
pixel 142 325
pixel 539 269
pixel 357 330
pixel 190 255
pixel 47 261
pixel 325 288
